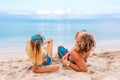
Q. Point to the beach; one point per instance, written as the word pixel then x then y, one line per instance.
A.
pixel 102 66
pixel 103 63
pixel 60 21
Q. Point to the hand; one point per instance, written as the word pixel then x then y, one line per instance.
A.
pixel 64 61
pixel 46 42
pixel 66 55
pixel 49 40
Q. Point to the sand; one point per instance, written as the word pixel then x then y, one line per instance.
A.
pixel 103 66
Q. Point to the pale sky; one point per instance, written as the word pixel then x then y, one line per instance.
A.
pixel 60 6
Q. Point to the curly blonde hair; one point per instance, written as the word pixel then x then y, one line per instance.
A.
pixel 85 43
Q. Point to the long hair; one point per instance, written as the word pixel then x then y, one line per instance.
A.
pixel 85 43
pixel 33 49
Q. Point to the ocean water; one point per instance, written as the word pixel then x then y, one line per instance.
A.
pixel 14 34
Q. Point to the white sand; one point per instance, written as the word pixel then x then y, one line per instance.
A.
pixel 105 66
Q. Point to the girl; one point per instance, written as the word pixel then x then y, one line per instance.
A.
pixel 77 56
pixel 40 53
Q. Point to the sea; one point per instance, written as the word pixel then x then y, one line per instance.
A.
pixel 15 33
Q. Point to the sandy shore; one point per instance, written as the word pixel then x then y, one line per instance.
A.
pixel 104 66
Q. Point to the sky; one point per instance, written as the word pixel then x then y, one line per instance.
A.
pixel 60 6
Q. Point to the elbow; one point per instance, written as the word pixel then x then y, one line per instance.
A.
pixel 35 68
pixel 85 70
pixel 82 70
pixel 35 71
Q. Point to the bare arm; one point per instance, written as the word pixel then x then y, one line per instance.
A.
pixel 36 69
pixel 79 64
pixel 86 56
pixel 66 55
pixel 47 41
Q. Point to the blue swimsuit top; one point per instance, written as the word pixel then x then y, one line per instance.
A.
pixel 48 59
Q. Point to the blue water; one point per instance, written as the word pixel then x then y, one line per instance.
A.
pixel 14 34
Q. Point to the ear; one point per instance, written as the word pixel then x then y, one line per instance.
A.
pixel 76 35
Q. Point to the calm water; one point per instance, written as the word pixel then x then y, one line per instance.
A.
pixel 14 34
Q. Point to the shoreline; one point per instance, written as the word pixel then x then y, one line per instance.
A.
pixel 101 46
pixel 19 50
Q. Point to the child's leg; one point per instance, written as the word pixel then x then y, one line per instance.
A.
pixel 49 48
pixel 62 51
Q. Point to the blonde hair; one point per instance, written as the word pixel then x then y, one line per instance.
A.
pixel 85 43
pixel 33 49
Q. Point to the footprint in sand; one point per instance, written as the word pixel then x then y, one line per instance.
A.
pixel 91 72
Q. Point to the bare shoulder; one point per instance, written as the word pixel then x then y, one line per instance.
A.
pixel 75 56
